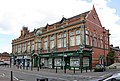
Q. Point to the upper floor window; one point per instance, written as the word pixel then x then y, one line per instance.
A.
pixel 45 45
pixel 77 37
pixel 77 32
pixel 59 40
pixel 32 42
pixel 52 42
pixel 72 40
pixel 95 40
pixel 72 33
pixel 87 39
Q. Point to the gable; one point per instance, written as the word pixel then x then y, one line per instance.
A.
pixel 93 18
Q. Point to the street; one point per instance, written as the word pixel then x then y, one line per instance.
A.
pixel 28 75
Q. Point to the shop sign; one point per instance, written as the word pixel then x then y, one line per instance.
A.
pixel 70 54
pixel 44 55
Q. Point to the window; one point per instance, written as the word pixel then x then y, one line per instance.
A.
pixel 18 48
pixel 32 47
pixel 74 61
pixel 23 47
pixel 98 40
pixel 59 42
pixel 52 43
pixel 101 41
pixel 28 47
pixel 78 40
pixel 64 40
pixel 77 32
pixel 87 40
pixel 45 45
pixel 87 37
pixel 72 41
pixel 95 40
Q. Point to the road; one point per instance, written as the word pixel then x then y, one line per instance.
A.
pixel 28 75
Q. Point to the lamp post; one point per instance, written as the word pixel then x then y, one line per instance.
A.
pixel 32 59
pixel 63 63
pixel 52 59
pixel 81 51
pixel 39 58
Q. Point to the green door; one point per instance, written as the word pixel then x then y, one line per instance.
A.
pixel 67 62
pixel 35 61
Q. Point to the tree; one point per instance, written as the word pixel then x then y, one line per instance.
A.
pixel 111 57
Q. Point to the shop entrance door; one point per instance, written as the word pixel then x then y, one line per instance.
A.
pixel 67 62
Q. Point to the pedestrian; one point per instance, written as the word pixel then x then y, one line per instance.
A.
pixel 20 65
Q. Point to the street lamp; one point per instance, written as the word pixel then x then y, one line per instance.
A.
pixel 81 51
pixel 63 63
pixel 39 65
pixel 52 58
pixel 63 46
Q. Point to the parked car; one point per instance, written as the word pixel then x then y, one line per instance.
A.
pixel 113 77
pixel 3 63
pixel 99 68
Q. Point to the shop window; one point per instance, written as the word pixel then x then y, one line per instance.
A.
pixel 74 61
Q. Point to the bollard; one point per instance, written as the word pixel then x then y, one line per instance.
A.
pixel 86 69
pixel 65 69
pixel 56 69
pixel 11 76
pixel 44 79
pixel 74 70
pixel 38 68
pixel 81 70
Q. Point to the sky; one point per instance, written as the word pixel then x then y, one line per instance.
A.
pixel 14 14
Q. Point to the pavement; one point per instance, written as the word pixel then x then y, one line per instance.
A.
pixel 5 78
pixel 69 73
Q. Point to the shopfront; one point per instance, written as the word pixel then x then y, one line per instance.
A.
pixel 68 60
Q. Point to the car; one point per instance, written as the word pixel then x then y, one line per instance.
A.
pixel 3 63
pixel 113 77
pixel 99 68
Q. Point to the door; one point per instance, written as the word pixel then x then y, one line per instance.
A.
pixel 67 62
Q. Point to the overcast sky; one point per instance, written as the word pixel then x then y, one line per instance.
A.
pixel 14 14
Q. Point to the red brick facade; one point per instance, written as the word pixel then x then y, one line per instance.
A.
pixel 86 29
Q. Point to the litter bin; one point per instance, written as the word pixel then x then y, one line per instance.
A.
pixel 43 79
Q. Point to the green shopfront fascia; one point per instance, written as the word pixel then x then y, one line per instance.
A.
pixel 70 59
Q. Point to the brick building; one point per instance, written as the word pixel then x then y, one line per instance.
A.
pixel 5 57
pixel 117 52
pixel 79 41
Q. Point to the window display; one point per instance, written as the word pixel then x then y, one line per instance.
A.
pixel 58 62
pixel 74 61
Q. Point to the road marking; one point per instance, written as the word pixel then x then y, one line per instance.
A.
pixel 15 78
pixel 39 75
pixel 2 75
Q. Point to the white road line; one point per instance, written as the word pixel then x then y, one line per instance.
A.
pixel 40 75
pixel 15 78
